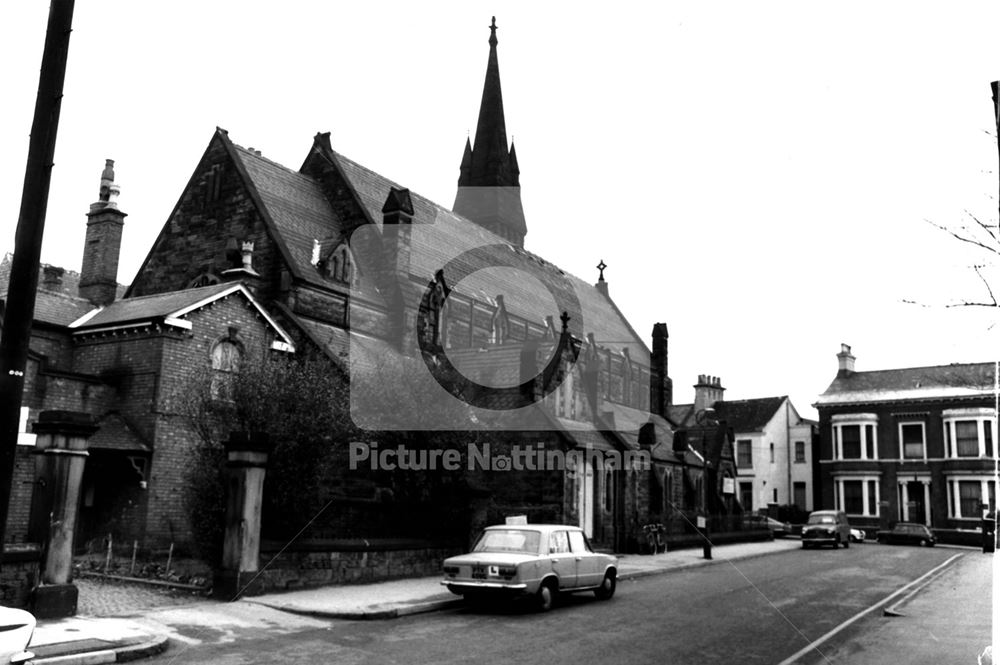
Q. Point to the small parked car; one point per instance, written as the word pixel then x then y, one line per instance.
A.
pixel 16 629
pixel 536 560
pixel 907 533
pixel 778 529
pixel 826 527
pixel 857 536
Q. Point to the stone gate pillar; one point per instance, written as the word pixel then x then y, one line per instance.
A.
pixel 246 459
pixel 62 441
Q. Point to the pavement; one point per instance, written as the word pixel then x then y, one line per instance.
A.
pixel 117 622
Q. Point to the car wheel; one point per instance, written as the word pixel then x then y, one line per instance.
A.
pixel 923 542
pixel 608 585
pixel 545 597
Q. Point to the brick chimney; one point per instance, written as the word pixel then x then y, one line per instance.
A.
pixel 845 361
pixel 660 385
pixel 707 391
pixel 102 247
pixel 52 278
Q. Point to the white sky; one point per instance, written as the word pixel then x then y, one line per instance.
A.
pixel 756 175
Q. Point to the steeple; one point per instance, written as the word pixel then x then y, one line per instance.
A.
pixel 488 185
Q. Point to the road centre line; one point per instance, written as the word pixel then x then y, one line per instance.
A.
pixel 815 643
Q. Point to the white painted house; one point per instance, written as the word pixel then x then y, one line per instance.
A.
pixel 774 445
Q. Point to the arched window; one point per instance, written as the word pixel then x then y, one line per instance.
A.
pixel 226 357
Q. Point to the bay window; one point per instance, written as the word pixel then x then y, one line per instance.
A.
pixel 855 436
pixel 969 432
pixel 857 495
pixel 967 494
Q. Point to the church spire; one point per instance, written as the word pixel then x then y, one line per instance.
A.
pixel 489 183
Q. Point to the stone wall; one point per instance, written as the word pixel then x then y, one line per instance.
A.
pixel 317 564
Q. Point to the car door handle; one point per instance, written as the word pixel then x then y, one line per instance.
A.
pixel 579 558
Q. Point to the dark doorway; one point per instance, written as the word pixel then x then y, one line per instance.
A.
pixel 916 505
pixel 112 500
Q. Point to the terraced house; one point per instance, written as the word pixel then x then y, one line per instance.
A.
pixel 916 444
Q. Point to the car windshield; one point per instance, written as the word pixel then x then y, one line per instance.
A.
pixel 508 540
pixel 822 519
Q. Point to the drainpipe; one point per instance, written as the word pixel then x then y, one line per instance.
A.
pixel 788 450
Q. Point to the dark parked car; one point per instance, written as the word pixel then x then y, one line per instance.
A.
pixel 907 533
pixel 826 527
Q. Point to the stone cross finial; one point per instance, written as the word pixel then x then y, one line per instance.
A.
pixel 565 317
pixel 493 31
pixel 601 266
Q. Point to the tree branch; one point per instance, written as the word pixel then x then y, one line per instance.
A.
pixel 957 236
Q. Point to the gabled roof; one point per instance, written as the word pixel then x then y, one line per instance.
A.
pixel 911 383
pixel 745 415
pixel 748 415
pixel 114 433
pixel 170 308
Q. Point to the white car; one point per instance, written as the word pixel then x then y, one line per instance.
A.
pixel 857 535
pixel 16 629
pixel 538 560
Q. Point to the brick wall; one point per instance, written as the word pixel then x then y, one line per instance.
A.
pixel 19 509
pixel 19 574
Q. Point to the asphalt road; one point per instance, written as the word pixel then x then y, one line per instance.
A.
pixel 759 610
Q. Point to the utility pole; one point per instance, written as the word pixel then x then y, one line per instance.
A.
pixel 995 88
pixel 20 302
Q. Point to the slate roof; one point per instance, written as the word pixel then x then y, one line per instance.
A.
pixel 154 306
pixel 297 206
pixel 745 415
pixel 115 433
pixel 302 215
pixel 172 304
pixel 913 383
pixel 748 415
pixel 56 304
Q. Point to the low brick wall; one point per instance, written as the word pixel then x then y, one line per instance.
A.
pixel 724 538
pixel 19 574
pixel 957 537
pixel 316 564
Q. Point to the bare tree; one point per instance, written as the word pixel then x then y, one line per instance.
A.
pixel 983 238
